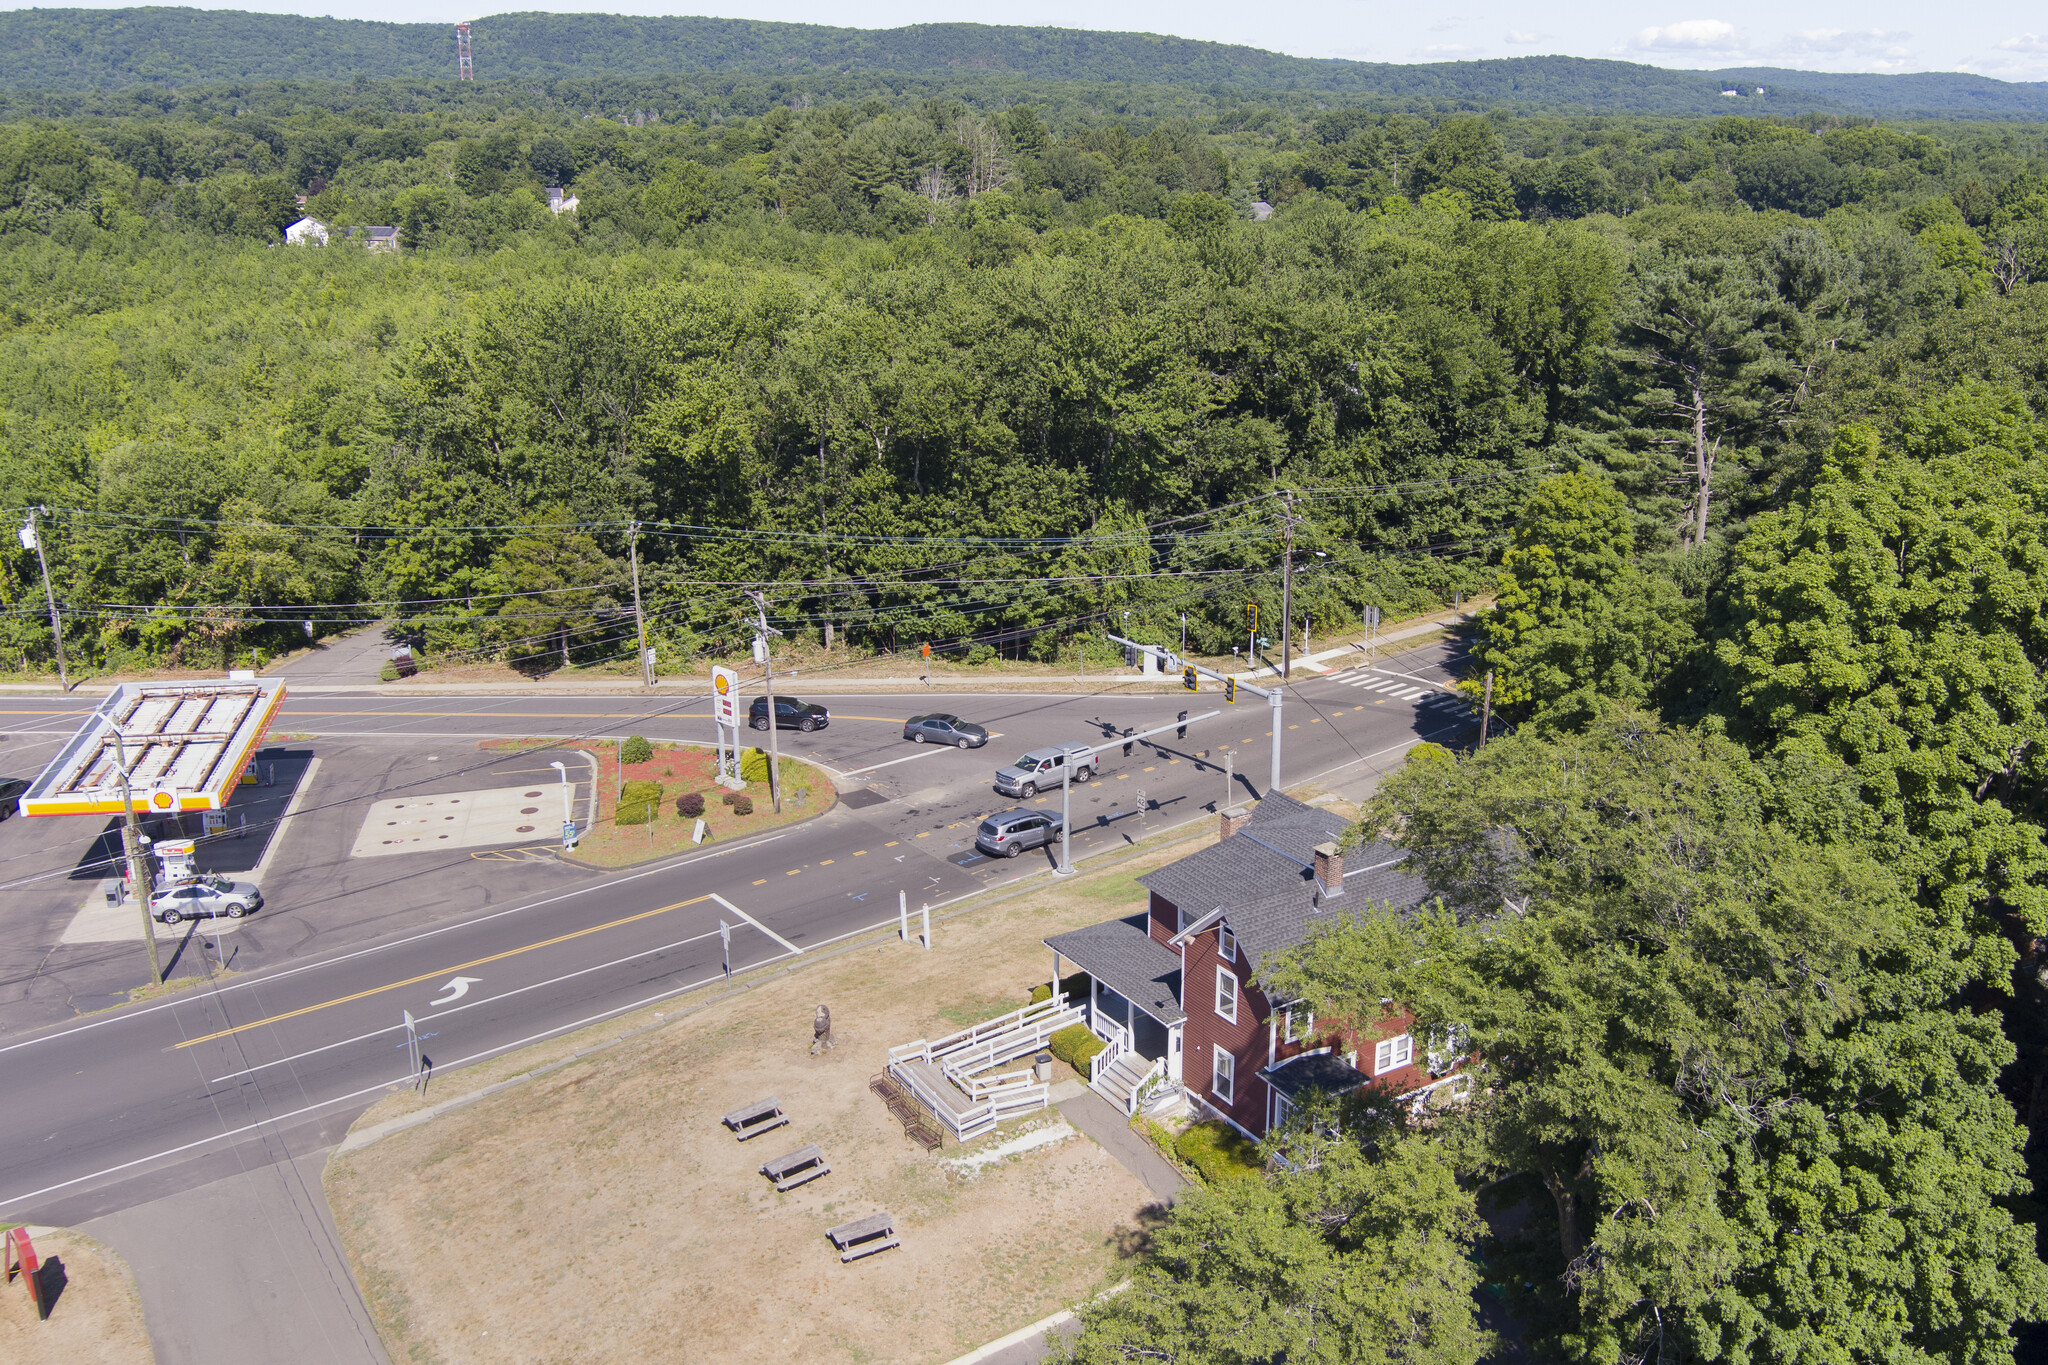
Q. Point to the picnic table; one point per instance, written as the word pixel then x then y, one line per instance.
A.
pixel 756 1119
pixel 864 1236
pixel 792 1169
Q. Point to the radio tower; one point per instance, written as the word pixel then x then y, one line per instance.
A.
pixel 464 69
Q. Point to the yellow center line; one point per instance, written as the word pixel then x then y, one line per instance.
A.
pixel 445 971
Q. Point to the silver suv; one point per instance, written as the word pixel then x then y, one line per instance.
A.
pixel 1010 832
pixel 1039 770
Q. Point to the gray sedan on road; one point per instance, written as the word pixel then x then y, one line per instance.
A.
pixel 940 728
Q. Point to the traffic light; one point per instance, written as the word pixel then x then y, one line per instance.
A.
pixel 1230 690
pixel 1182 732
pixel 1251 616
pixel 1189 680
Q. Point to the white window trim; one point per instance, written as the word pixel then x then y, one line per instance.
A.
pixel 1300 1025
pixel 1226 943
pixel 1223 1075
pixel 1391 1054
pixel 1226 996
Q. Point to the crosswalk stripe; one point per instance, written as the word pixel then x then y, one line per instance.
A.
pixel 1412 693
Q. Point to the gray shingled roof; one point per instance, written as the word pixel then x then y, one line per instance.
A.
pixel 1123 956
pixel 1266 884
pixel 1322 1071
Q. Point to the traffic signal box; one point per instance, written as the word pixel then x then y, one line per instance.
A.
pixel 1230 690
pixel 1190 680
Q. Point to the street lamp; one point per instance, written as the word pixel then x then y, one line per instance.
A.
pixel 568 810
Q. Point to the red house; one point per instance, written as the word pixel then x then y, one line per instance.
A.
pixel 1175 991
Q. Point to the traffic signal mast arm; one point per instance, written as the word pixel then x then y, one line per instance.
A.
pixel 1065 866
pixel 1168 661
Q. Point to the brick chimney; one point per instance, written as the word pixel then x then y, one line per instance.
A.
pixel 1232 821
pixel 1329 870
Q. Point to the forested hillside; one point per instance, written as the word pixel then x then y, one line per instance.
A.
pixel 1740 420
pixel 76 50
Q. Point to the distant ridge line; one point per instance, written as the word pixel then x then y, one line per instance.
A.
pixel 78 50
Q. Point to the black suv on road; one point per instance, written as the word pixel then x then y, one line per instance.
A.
pixel 790 714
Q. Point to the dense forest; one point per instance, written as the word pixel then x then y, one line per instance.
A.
pixel 78 50
pixel 1739 420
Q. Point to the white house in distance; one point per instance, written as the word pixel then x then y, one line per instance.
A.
pixel 306 232
pixel 560 201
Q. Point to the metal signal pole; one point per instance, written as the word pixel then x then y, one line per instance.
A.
pixel 639 620
pixel 1287 597
pixel 768 684
pixel 34 537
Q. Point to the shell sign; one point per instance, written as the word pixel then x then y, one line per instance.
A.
pixel 725 687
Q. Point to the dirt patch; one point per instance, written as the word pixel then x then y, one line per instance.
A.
pixel 95 1314
pixel 601 1213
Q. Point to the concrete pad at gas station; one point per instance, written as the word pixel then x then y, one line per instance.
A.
pixel 478 819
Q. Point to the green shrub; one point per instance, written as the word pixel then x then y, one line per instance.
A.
pixel 1218 1152
pixel 1074 988
pixel 388 673
pixel 1075 1045
pixel 754 765
pixel 635 750
pixel 742 804
pixel 728 798
pixel 690 805
pixel 639 802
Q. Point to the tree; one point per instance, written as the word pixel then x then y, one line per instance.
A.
pixel 1464 154
pixel 1576 618
pixel 1719 1056
pixel 1890 617
pixel 1343 1259
pixel 550 582
pixel 1693 330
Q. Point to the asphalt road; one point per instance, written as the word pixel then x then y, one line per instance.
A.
pixel 490 954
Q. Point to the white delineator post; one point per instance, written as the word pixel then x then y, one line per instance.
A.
pixel 927 927
pixel 903 916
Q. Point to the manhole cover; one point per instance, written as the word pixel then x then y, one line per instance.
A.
pixel 524 829
pixel 529 810
pixel 865 796
pixel 531 795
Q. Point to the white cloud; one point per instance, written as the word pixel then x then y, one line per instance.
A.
pixel 1857 49
pixel 1447 23
pixel 2026 42
pixel 1690 35
pixel 1441 51
pixel 1520 39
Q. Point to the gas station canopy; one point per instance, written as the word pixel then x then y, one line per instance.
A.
pixel 186 744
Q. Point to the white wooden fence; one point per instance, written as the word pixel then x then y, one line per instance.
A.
pixel 980 1102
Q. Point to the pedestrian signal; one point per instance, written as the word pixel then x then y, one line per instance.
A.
pixel 1188 679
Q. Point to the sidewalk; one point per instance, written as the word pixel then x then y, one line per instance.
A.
pixel 691 683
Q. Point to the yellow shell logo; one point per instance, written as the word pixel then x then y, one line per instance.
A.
pixel 161 800
pixel 720 683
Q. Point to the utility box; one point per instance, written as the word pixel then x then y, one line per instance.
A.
pixel 1043 1064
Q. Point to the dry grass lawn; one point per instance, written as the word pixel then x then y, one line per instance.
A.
pixel 96 1318
pixel 600 1212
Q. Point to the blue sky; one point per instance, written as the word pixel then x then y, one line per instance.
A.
pixel 2003 38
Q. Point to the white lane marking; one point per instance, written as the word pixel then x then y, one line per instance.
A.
pixel 1383 687
pixel 404 1079
pixel 483 1000
pixel 456 988
pixel 247 983
pixel 1410 694
pixel 756 923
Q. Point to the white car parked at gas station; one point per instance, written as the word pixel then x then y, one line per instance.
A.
pixel 205 898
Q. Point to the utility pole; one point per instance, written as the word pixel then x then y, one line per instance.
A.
pixel 1287 593
pixel 138 865
pixel 768 684
pixel 1486 710
pixel 639 620
pixel 31 535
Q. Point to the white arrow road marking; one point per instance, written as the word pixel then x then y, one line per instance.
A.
pixel 456 989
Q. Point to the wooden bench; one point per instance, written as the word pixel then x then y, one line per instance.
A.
pixel 864 1236
pixel 756 1119
pixel 792 1169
